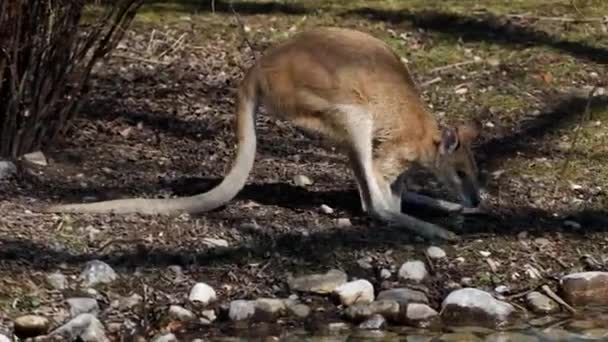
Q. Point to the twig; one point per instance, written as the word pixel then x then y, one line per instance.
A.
pixel 140 59
pixel 520 294
pixel 429 82
pixel 149 48
pixel 561 19
pixel 455 65
pixel 578 128
pixel 172 47
pixel 556 298
pixel 243 32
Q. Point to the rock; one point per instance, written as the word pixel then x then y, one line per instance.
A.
pixel 31 326
pixel 267 309
pixel 355 292
pixel 510 337
pixel 180 313
pixel 419 315
pixel 585 288
pixel 7 169
pixel 413 270
pixel 57 281
pixel 211 242
pixel 435 252
pixel 97 272
pixel 4 338
pixel 343 222
pixel 241 310
pixel 502 289
pixel 466 281
pixel 458 337
pixel 202 293
pixel 127 303
pixel 471 306
pixel 325 209
pixel 596 334
pixel 374 322
pixel 385 274
pixel 37 158
pixel 299 310
pixel 208 316
pixel 301 180
pixel 359 312
pixel 541 304
pixel 84 327
pixel 403 296
pixel 318 283
pixel 165 338
pixel 81 305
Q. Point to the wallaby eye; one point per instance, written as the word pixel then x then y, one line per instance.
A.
pixel 461 174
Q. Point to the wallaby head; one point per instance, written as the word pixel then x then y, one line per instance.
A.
pixel 455 165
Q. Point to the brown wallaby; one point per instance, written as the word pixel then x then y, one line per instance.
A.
pixel 354 91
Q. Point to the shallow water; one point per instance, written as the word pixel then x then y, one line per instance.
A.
pixel 588 325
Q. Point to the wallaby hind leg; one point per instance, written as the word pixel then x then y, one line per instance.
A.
pixel 378 200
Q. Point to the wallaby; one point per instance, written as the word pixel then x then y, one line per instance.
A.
pixel 354 91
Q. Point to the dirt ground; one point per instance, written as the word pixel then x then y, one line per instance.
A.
pixel 160 123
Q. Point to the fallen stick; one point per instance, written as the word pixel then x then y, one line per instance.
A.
pixel 455 65
pixel 562 19
pixel 429 82
pixel 433 203
pixel 556 298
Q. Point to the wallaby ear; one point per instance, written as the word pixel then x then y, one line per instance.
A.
pixel 469 132
pixel 449 141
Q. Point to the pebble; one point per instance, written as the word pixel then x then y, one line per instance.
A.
pixel 4 338
pixel 31 325
pixel 414 270
pixel 165 338
pixel 585 288
pixel 36 157
pixel 299 310
pixel 57 281
pixel 420 315
pixel 374 322
pixel 470 306
pixel 385 274
pixel 84 327
pixel 97 272
pixel 318 283
pixel 180 313
pixel 435 252
pixel 359 312
pixel 355 292
pixel 343 222
pixel 7 169
pixel 301 180
pixel 81 305
pixel 267 309
pixel 325 209
pixel 241 310
pixel 403 296
pixel 211 242
pixel 541 304
pixel 126 303
pixel 202 293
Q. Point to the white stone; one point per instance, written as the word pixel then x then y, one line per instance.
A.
pixel 241 310
pixel 57 281
pixel 85 327
pixel 181 314
pixel 323 283
pixel 211 242
pixel 97 272
pixel 435 252
pixel 202 293
pixel 413 270
pixel 385 274
pixel 7 169
pixel 4 338
pixel 325 209
pixel 170 337
pixel 355 292
pixel 459 305
pixel 81 305
pixel 301 180
pixel 419 312
pixel 37 158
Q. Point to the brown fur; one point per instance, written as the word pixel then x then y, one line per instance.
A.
pixel 353 90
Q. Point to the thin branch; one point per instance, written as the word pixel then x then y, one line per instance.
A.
pixel 556 298
pixel 243 31
pixel 455 65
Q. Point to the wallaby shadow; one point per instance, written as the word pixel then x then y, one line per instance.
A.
pixel 485 27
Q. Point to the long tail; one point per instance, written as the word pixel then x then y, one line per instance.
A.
pixel 216 197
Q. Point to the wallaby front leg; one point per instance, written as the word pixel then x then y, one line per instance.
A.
pixel 430 202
